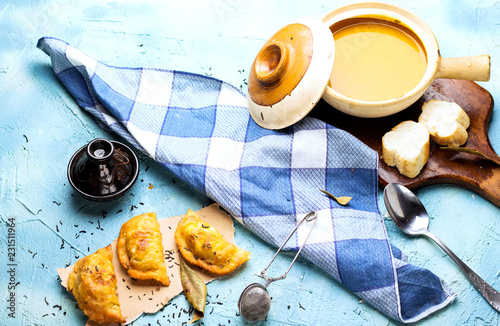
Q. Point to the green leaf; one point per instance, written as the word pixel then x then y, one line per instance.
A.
pixel 194 289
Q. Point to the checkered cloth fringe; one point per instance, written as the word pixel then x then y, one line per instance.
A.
pixel 199 128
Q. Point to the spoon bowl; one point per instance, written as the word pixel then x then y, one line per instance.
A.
pixel 409 214
pixel 401 202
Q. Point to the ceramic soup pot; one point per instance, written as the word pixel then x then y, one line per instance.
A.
pixel 470 68
pixel 294 68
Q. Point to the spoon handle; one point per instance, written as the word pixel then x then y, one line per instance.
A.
pixel 491 295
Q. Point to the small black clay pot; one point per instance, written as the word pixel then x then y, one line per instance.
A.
pixel 103 170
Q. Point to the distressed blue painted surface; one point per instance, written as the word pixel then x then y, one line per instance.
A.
pixel 41 127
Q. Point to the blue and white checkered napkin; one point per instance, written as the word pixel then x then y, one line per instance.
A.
pixel 200 129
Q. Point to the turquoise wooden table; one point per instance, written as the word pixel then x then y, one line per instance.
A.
pixel 41 126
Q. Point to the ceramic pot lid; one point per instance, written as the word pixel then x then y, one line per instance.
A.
pixel 290 73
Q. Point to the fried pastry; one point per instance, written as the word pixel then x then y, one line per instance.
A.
pixel 202 245
pixel 140 249
pixel 93 283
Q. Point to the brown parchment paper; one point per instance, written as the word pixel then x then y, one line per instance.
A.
pixel 137 297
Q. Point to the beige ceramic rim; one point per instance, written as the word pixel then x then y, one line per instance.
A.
pixel 393 14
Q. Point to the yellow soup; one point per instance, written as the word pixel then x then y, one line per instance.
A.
pixel 375 60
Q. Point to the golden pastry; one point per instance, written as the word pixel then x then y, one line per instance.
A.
pixel 93 283
pixel 140 249
pixel 202 245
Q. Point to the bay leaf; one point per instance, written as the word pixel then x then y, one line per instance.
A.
pixel 470 151
pixel 343 200
pixel 194 289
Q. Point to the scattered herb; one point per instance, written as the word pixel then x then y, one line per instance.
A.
pixel 341 200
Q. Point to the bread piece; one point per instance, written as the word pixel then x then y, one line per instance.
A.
pixel 446 121
pixel 406 146
pixel 93 283
pixel 140 249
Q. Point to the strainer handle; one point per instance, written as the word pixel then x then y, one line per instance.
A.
pixel 311 216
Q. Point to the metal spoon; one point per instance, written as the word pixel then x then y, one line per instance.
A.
pixel 255 302
pixel 410 216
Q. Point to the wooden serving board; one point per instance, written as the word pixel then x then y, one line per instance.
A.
pixel 467 170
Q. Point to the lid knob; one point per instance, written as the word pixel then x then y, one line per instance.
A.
pixel 100 150
pixel 271 62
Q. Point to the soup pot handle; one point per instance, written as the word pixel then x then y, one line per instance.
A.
pixel 475 68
